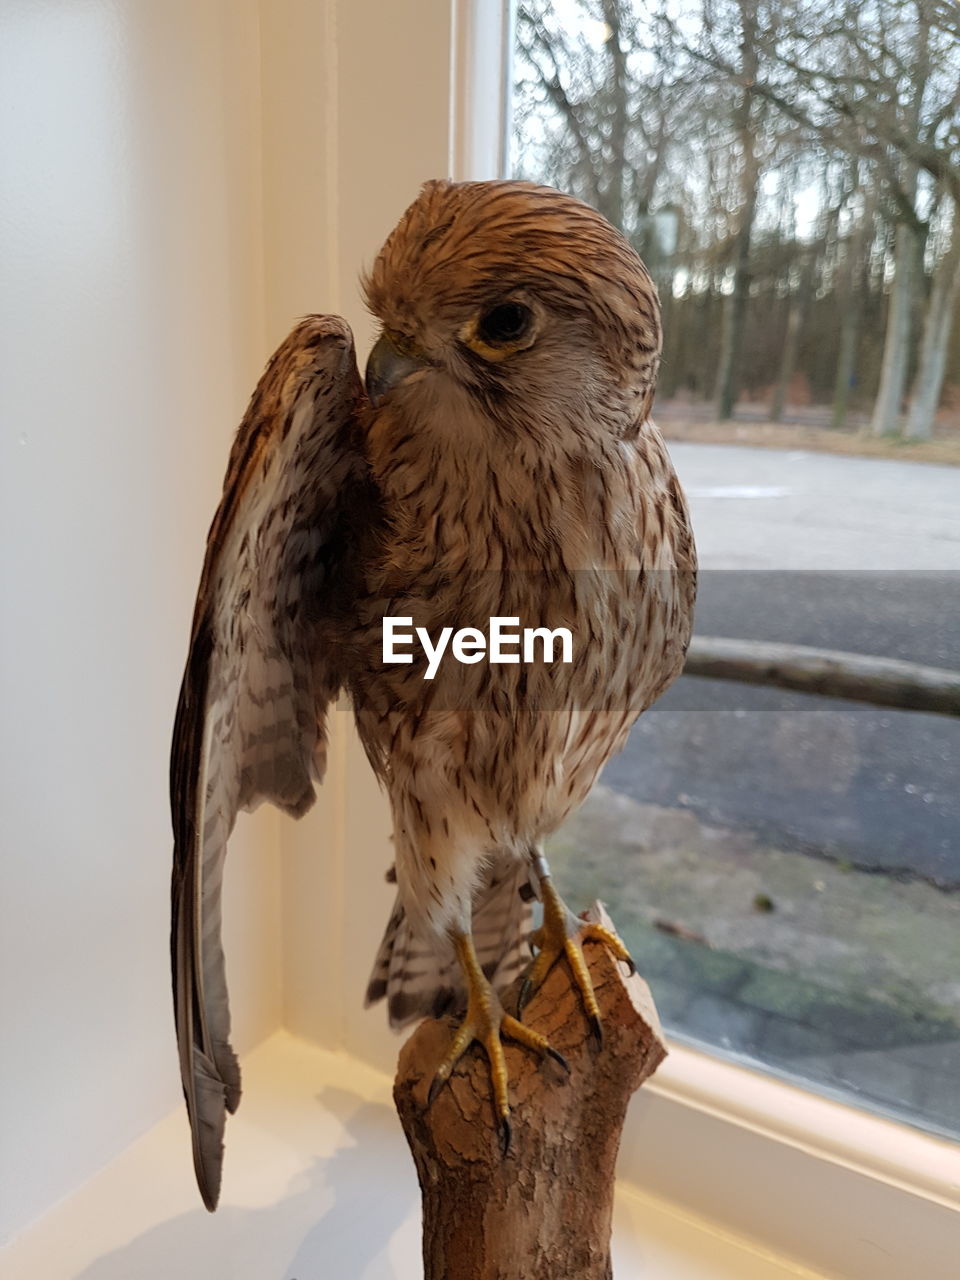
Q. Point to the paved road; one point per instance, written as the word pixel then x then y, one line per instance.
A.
pixel 780 509
pixel 845 553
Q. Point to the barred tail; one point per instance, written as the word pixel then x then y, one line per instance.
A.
pixel 419 974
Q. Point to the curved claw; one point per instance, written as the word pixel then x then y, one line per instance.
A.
pixel 506 1135
pixel 436 1084
pixel 488 1023
pixel 564 934
pixel 597 933
pixel 559 1058
pixel 526 988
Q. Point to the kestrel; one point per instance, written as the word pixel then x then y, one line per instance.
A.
pixel 502 463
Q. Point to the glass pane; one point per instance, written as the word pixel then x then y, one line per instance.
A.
pixel 786 867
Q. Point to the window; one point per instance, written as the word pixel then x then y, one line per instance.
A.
pixel 786 868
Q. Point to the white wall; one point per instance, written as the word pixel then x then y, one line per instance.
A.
pixel 131 331
pixel 181 179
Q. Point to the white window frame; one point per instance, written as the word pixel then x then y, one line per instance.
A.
pixel 835 1189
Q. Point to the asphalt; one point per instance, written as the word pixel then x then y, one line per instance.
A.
pixel 855 554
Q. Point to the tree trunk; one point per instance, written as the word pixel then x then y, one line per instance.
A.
pixel 852 289
pixel 850 325
pixel 938 324
pixel 617 165
pixel 846 361
pixel 667 382
pixel 735 310
pixel 543 1211
pixel 799 300
pixel 908 263
pixel 896 346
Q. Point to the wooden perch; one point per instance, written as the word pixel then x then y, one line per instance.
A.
pixel 542 1212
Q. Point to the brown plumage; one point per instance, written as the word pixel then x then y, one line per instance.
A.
pixel 506 467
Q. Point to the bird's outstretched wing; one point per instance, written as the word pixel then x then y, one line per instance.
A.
pixel 250 720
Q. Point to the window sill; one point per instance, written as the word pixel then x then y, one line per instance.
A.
pixel 844 1192
pixel 318 1181
pixel 836 1131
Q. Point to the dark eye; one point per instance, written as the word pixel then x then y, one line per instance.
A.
pixel 504 323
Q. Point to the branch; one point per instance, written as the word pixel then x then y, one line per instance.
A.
pixel 552 82
pixel 926 155
pixel 882 682
pixel 543 1211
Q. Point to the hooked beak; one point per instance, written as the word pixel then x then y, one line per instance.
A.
pixel 387 366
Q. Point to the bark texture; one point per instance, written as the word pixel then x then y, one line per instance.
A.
pixel 543 1211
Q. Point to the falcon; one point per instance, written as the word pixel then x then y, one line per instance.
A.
pixel 500 461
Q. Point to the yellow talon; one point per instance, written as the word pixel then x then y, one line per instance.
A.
pixel 487 1022
pixel 563 934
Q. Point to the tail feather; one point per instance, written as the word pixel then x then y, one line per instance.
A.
pixel 419 975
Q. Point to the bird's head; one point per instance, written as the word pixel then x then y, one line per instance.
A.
pixel 507 306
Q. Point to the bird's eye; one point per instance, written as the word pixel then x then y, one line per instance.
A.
pixel 507 322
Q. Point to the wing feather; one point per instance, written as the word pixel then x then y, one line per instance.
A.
pixel 250 719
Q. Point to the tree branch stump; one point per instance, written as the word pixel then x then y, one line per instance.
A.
pixel 543 1212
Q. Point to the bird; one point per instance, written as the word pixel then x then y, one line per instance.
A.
pixel 497 460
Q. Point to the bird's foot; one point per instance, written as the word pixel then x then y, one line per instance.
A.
pixel 563 934
pixel 487 1022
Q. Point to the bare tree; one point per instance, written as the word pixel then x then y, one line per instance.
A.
pixel 883 84
pixel 595 134
pixel 941 310
pixel 702 138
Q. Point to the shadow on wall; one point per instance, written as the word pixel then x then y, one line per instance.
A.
pixel 343 1211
